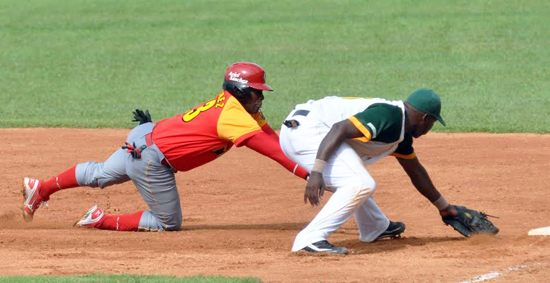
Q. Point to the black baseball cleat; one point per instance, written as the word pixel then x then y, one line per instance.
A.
pixel 325 247
pixel 394 230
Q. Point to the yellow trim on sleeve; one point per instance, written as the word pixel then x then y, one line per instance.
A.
pixel 361 139
pixel 361 128
pixel 404 156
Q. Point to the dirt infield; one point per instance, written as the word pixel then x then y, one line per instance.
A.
pixel 242 212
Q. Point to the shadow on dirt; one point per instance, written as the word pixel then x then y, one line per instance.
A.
pixel 268 226
pixel 388 245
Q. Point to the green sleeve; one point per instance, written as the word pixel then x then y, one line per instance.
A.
pixel 383 121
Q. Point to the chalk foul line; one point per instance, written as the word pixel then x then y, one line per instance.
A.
pixel 495 274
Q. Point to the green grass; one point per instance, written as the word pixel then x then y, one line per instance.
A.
pixel 127 279
pixel 90 63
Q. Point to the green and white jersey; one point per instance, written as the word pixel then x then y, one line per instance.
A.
pixel 381 121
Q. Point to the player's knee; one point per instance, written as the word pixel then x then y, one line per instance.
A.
pixel 364 185
pixel 87 174
pixel 173 225
pixel 368 183
pixel 368 188
pixel 152 222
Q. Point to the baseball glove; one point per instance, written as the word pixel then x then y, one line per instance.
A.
pixel 141 117
pixel 469 222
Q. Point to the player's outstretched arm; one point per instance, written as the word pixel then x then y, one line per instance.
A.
pixel 464 220
pixel 264 144
pixel 422 182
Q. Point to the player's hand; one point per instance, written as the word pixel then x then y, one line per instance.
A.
pixel 449 211
pixel 314 189
pixel 142 117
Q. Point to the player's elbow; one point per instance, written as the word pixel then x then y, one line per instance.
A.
pixel 339 128
pixel 344 130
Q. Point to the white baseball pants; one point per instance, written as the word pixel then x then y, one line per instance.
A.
pixel 345 175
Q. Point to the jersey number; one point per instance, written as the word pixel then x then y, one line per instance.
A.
pixel 191 114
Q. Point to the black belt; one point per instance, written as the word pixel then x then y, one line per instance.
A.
pixel 301 112
pixel 294 123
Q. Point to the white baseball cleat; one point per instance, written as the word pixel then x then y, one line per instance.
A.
pixel 31 197
pixel 91 218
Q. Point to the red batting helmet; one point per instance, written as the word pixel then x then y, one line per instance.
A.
pixel 243 75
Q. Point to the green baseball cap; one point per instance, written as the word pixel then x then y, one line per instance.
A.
pixel 428 102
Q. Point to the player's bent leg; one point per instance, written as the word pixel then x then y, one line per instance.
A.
pixel 165 213
pixel 157 186
pixel 161 195
pixel 37 192
pixel 339 208
pixel 371 221
pixel 346 174
pixel 93 174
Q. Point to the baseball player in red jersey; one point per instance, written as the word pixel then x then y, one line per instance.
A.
pixel 155 151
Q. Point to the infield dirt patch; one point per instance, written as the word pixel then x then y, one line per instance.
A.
pixel 242 212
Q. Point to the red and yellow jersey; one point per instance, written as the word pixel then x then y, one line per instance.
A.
pixel 205 132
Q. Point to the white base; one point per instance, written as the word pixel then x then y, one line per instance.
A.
pixel 544 231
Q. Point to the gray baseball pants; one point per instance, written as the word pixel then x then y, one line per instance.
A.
pixel 155 182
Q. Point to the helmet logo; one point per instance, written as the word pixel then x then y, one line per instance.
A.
pixel 233 76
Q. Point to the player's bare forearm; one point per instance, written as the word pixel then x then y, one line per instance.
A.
pixel 420 178
pixel 338 133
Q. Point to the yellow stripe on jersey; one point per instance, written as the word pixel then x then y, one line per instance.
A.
pixel 235 122
pixel 404 156
pixel 361 128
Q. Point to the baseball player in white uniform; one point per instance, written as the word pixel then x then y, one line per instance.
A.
pixel 335 138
